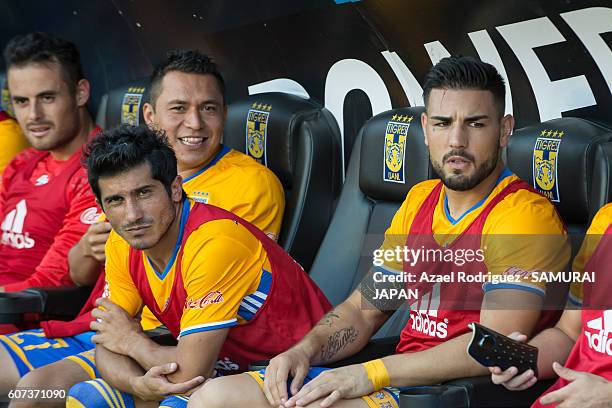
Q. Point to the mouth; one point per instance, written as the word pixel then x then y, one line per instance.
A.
pixel 39 130
pixel 192 141
pixel 137 229
pixel 457 162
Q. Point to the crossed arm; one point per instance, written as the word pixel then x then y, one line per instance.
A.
pixel 124 353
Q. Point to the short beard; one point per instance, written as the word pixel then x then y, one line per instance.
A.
pixel 460 182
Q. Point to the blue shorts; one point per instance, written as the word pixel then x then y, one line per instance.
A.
pixel 100 394
pixel 387 397
pixel 30 349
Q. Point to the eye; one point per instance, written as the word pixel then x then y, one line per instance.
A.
pixel 210 108
pixel 178 109
pixel 48 98
pixel 145 192
pixel 476 124
pixel 442 124
pixel 114 201
pixel 19 101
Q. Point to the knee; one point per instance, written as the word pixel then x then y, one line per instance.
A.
pixel 39 380
pixel 86 394
pixel 213 394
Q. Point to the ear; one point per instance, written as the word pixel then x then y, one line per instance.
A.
pixel 424 127
pixel 177 189
pixel 507 124
pixel 149 114
pixel 82 92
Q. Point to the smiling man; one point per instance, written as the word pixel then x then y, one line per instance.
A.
pixel 45 202
pixel 222 287
pixel 187 102
pixel 476 199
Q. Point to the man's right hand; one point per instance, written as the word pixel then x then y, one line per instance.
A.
pixel 294 362
pixel 509 378
pixel 94 240
pixel 154 385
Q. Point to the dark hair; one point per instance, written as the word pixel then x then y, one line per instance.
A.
pixel 466 73
pixel 125 147
pixel 188 62
pixel 45 48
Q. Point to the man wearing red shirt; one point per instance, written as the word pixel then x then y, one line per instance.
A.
pixel 46 204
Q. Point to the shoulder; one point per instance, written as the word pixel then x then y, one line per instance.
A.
pixel 245 166
pixel 601 221
pixel 26 156
pixel 223 233
pixel 524 212
pixel 21 160
pixel 419 192
pixel 116 245
pixel 413 201
pixel 237 168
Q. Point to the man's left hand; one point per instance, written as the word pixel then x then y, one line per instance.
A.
pixel 584 390
pixel 116 330
pixel 333 385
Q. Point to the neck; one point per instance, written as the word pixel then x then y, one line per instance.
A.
pixel 160 254
pixel 84 129
pixel 461 201
pixel 185 172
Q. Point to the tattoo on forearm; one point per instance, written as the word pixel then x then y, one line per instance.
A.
pixel 338 341
pixel 328 319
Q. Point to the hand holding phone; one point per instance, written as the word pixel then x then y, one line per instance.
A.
pixel 493 349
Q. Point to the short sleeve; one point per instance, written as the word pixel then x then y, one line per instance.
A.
pixel 524 238
pixel 222 263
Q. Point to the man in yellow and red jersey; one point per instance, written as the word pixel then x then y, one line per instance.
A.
pixel 470 210
pixel 188 103
pixel 221 286
pixel 581 338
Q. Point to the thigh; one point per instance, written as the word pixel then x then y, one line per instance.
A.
pixel 58 376
pixel 31 349
pixel 241 390
pixel 10 374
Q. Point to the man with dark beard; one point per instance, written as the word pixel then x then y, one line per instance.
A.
pixel 472 207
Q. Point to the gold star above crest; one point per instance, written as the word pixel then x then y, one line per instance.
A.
pixel 543 133
pixel 394 117
pixel 410 119
pixel 549 133
pixel 555 133
pixel 254 105
pixel 560 134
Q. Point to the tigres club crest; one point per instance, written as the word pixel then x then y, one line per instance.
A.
pixel 545 158
pixel 257 131
pixel 395 148
pixel 130 107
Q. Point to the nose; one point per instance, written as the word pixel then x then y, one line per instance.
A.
pixel 457 136
pixel 35 112
pixel 133 211
pixel 193 119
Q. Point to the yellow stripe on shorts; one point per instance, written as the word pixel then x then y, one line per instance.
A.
pixel 84 360
pixel 257 376
pixel 17 350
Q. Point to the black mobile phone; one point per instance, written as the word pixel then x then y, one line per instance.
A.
pixel 491 349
